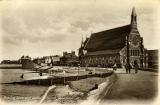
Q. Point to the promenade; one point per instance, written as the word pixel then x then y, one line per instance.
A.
pixel 132 88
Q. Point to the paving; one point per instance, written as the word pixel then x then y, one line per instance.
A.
pixel 133 88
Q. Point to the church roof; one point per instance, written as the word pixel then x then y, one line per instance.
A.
pixel 103 52
pixel 109 39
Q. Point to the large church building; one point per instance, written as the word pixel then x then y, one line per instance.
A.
pixel 114 46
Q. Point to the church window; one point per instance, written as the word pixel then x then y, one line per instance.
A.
pixel 132 52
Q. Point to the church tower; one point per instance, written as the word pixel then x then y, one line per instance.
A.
pixel 134 30
pixel 134 18
pixel 135 42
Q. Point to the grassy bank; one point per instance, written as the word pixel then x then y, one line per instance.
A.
pixel 77 91
pixel 64 95
pixel 85 85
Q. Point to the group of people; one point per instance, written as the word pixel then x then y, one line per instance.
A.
pixel 128 67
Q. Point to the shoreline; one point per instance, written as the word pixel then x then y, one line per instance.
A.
pixel 10 66
pixel 59 79
pixel 67 94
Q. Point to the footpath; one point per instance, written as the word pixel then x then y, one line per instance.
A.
pixel 141 88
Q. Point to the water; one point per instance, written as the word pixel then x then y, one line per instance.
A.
pixel 15 93
pixel 22 93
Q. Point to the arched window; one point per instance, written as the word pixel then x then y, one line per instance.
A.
pixel 131 52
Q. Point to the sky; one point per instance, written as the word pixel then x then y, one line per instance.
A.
pixel 48 27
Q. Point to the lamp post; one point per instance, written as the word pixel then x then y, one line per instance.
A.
pixel 78 71
pixel 141 60
pixel 127 43
pixel 64 73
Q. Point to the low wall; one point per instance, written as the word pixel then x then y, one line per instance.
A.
pixel 60 80
pixel 149 69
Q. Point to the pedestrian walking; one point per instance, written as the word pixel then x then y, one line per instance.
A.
pixel 128 68
pixel 115 67
pixel 136 67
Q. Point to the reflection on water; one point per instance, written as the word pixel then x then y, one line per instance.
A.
pixel 12 92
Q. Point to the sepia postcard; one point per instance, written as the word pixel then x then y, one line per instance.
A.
pixel 79 52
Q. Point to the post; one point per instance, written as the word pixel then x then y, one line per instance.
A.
pixel 128 59
pixel 51 81
pixel 39 82
pixel 64 76
pixel 78 71
pixel 64 80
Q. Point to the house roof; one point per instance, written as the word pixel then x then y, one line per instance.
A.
pixel 108 40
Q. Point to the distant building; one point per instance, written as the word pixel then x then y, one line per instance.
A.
pixel 68 55
pixel 119 45
pixel 10 62
pixel 153 59
pixel 48 60
pixel 69 59
pixel 5 62
pixel 26 62
pixel 55 60
pixel 38 61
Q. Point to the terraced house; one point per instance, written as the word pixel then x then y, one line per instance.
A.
pixel 112 46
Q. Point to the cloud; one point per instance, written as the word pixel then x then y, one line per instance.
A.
pixel 17 29
pixel 83 24
pixel 58 26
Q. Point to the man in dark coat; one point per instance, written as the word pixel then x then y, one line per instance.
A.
pixel 128 68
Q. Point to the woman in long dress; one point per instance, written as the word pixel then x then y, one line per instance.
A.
pixel 136 66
